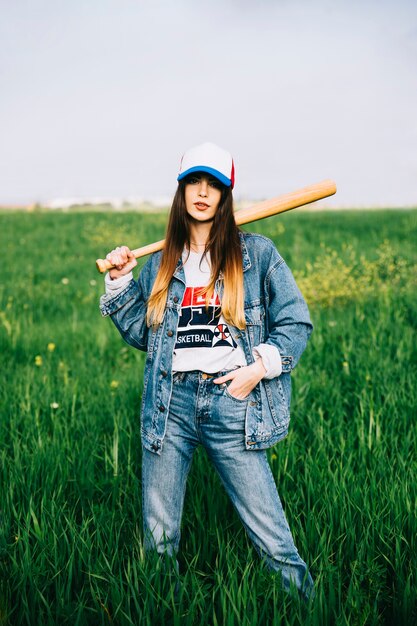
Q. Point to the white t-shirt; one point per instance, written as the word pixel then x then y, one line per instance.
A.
pixel 204 341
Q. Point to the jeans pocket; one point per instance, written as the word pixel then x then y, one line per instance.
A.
pixel 178 377
pixel 229 395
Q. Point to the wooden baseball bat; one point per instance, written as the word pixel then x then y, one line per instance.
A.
pixel 258 211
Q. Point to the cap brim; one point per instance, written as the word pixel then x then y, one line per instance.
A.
pixel 209 170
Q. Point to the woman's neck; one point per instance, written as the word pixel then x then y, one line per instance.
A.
pixel 199 235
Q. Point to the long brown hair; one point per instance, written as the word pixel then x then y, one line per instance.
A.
pixel 225 258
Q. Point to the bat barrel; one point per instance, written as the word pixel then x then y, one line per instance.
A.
pixel 286 202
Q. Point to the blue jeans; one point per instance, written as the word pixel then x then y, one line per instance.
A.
pixel 202 412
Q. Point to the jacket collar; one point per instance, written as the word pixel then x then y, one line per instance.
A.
pixel 245 258
pixel 245 255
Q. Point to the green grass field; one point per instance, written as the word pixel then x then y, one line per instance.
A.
pixel 70 499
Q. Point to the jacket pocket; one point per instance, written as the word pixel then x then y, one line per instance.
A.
pixel 255 317
pixel 278 403
pixel 153 341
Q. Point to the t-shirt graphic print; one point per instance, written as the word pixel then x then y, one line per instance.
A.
pixel 200 326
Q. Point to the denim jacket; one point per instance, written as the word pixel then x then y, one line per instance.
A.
pixel 275 313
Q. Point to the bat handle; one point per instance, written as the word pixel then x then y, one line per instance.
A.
pixel 103 265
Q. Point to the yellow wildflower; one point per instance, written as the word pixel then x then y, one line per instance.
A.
pixel 38 360
pixel 51 347
pixel 114 384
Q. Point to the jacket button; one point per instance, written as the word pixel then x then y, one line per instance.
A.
pixel 164 373
pixel 162 408
pixel 176 299
pixel 170 333
pixel 154 446
pixel 252 403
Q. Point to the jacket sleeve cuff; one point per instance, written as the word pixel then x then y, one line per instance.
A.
pixel 112 302
pixel 113 287
pixel 271 359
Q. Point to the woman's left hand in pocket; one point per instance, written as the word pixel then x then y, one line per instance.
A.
pixel 244 379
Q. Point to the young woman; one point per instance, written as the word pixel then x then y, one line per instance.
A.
pixel 223 324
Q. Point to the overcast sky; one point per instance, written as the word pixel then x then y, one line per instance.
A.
pixel 102 97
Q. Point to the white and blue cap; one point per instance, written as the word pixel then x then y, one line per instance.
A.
pixel 211 159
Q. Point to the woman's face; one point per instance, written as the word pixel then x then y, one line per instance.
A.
pixel 202 196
